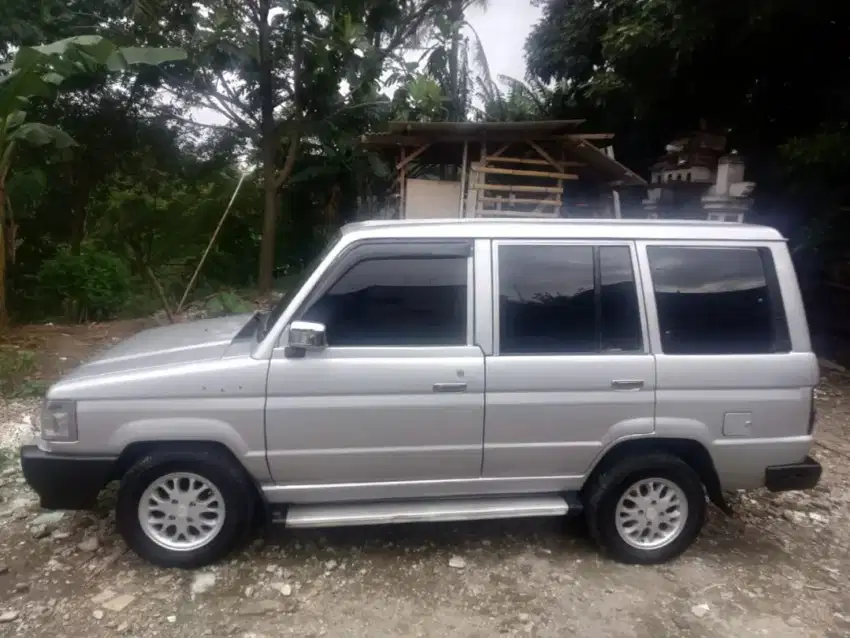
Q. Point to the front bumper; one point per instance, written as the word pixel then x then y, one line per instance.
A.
pixel 65 482
pixel 797 476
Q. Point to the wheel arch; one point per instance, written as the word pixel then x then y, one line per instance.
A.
pixel 690 451
pixel 137 450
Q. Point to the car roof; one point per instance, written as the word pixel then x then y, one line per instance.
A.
pixel 482 228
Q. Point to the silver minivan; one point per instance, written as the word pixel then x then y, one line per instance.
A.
pixel 626 371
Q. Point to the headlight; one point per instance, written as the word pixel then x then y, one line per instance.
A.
pixel 59 421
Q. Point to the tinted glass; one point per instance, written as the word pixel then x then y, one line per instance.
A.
pixel 296 285
pixel 620 321
pixel 716 301
pixel 546 300
pixel 396 302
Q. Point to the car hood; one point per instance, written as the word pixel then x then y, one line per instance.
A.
pixel 168 345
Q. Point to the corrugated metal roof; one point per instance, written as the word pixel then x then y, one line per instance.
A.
pixel 445 140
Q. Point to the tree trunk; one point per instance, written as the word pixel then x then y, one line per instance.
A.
pixel 269 152
pixel 270 212
pixel 4 316
pixel 268 148
pixel 79 213
pixel 455 18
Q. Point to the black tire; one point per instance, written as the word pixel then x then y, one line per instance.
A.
pixel 218 467
pixel 606 489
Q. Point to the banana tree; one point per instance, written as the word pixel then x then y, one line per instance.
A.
pixel 38 72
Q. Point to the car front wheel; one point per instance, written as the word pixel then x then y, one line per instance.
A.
pixel 184 508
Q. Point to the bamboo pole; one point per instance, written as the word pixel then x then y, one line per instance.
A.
pixel 530 160
pixel 520 200
pixel 402 186
pixel 609 151
pixel 542 153
pixel 212 241
pixel 521 173
pixel 412 156
pixel 499 151
pixel 589 136
pixel 461 207
pixel 517 188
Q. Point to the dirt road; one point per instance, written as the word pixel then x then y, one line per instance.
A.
pixel 780 567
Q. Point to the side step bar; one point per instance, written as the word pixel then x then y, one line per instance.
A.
pixel 424 511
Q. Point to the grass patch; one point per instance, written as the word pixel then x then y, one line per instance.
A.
pixel 17 367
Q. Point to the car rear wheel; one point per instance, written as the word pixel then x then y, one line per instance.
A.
pixel 646 510
pixel 185 508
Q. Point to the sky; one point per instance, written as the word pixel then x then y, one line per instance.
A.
pixel 503 28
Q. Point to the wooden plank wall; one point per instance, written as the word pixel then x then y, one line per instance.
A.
pixel 534 189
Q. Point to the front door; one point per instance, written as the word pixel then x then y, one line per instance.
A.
pixel 572 370
pixel 395 404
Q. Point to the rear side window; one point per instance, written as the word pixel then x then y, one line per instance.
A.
pixel 718 300
pixel 567 300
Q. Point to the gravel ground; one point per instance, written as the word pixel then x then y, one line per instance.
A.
pixel 780 567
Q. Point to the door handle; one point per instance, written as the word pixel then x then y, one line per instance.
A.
pixel 627 384
pixel 449 387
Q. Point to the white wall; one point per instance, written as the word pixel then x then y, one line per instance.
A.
pixel 432 199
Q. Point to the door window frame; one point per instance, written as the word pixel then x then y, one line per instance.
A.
pixel 585 243
pixel 369 249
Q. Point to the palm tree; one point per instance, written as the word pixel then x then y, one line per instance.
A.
pixel 449 38
pixel 522 101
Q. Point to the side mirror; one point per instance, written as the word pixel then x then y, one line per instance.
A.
pixel 307 335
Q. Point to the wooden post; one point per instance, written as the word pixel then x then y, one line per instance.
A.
pixel 557 211
pixel 462 199
pixel 543 153
pixel 476 197
pixel 402 186
pixel 414 155
pixel 609 151
pixel 206 252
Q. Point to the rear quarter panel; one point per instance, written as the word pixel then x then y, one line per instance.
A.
pixel 696 394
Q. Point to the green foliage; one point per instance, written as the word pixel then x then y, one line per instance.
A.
pixel 37 71
pixel 92 285
pixel 226 302
pixel 654 70
pixel 16 365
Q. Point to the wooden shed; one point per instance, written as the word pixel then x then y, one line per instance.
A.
pixel 508 169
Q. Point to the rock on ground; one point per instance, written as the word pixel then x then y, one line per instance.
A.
pixel 8 616
pixel 202 583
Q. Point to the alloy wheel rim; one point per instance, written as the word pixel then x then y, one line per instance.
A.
pixel 181 511
pixel 651 513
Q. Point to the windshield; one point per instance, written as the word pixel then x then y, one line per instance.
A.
pixel 296 283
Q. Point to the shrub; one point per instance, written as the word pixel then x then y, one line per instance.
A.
pixel 93 285
pixel 16 368
pixel 225 303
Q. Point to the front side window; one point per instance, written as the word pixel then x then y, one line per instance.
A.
pixel 717 300
pixel 404 301
pixel 567 300
pixel 295 286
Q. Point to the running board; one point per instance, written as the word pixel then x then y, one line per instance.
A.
pixel 424 511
